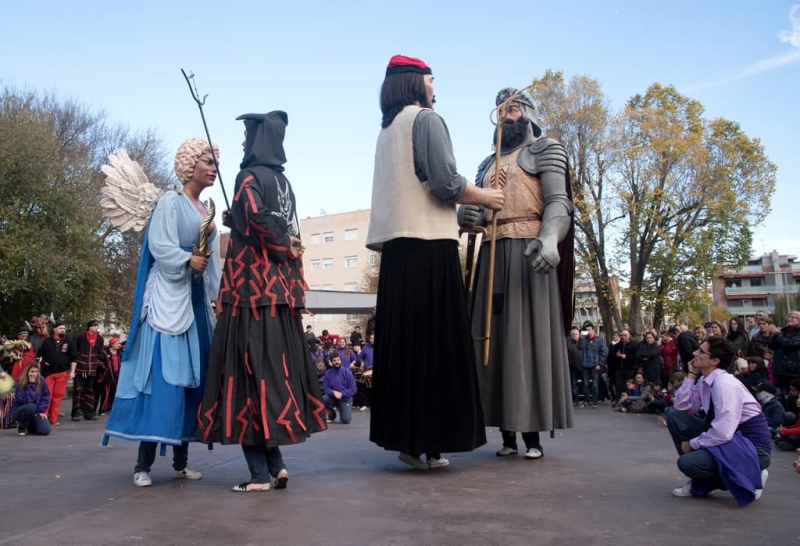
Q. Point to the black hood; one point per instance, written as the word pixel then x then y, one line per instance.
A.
pixel 264 142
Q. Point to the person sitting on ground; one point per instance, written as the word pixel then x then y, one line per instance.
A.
pixel 756 372
pixel 731 448
pixel 675 382
pixel 338 389
pixel 631 390
pixel 789 437
pixel 31 401
pixel 655 400
pixel 773 411
pixel 789 402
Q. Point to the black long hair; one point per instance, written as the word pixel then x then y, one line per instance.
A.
pixel 400 90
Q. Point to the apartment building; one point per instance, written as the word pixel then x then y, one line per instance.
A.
pixel 586 304
pixel 335 259
pixel 743 291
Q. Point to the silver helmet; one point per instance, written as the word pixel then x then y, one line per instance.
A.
pixel 526 105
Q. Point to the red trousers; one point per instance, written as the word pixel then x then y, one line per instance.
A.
pixel 57 385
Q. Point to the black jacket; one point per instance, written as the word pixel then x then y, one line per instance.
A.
pixel 687 345
pixel 786 345
pixel 629 349
pixel 57 355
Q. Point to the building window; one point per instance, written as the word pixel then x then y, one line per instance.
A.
pixel 351 234
pixel 350 287
pixel 373 258
pixel 324 318
pixel 351 261
pixel 315 238
pixel 327 263
pixel 349 317
pixel 756 282
pixel 327 287
pixel 314 265
pixel 328 236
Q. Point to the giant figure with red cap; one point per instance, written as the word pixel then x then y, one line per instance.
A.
pixel 428 404
pixel 526 386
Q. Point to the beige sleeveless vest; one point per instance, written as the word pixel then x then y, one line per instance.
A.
pixel 402 206
pixel 521 217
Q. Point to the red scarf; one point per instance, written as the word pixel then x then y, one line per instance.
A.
pixel 91 337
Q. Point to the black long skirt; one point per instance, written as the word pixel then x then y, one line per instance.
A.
pixel 425 396
pixel 262 386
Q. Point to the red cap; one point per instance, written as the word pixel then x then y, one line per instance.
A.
pixel 400 64
pixel 112 341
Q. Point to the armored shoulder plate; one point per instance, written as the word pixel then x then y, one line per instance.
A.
pixel 544 155
pixel 485 164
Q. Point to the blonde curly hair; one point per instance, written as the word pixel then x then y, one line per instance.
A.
pixel 187 156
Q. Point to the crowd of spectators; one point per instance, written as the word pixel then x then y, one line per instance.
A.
pixel 641 376
pixel 344 370
pixel 42 362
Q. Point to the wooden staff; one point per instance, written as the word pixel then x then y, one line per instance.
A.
pixel 501 110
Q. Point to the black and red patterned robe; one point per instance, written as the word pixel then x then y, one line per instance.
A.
pixel 262 386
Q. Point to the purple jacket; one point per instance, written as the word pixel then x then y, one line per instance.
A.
pixel 339 379
pixel 366 356
pixel 29 396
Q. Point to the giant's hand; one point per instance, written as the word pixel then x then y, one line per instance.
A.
pixel 198 263
pixel 470 216
pixel 543 255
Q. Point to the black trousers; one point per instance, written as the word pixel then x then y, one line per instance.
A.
pixel 147 456
pixel 83 395
pixel 531 439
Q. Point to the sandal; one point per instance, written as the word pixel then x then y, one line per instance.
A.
pixel 248 487
pixel 282 479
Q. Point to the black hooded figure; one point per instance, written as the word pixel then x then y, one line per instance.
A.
pixel 262 389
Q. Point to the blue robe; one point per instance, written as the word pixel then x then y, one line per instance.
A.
pixel 163 369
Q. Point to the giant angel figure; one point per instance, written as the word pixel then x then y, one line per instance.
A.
pixel 164 365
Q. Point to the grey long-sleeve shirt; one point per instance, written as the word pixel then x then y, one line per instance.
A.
pixel 434 161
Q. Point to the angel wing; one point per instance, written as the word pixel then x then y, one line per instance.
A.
pixel 128 196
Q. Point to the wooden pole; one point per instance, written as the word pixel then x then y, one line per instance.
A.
pixel 501 118
pixel 487 342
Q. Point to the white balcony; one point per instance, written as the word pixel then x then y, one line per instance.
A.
pixel 770 289
pixel 748 311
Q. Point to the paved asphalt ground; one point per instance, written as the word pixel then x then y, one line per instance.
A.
pixel 607 481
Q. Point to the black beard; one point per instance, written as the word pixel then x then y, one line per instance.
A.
pixel 515 133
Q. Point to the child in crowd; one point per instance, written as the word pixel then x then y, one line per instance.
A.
pixel 773 411
pixel 789 437
pixel 631 390
pixel 769 355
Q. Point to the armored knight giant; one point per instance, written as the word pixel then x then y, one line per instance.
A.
pixel 525 387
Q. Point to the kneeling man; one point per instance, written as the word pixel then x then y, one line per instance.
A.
pixel 729 449
pixel 338 388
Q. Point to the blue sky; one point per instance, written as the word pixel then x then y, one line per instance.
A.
pixel 323 62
